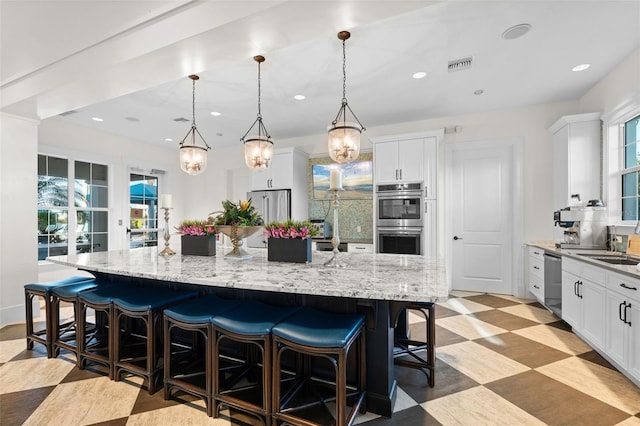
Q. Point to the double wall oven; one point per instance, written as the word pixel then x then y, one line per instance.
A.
pixel 400 218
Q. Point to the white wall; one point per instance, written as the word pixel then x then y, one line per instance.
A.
pixel 18 219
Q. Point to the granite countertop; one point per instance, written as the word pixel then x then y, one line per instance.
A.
pixel 578 254
pixel 368 275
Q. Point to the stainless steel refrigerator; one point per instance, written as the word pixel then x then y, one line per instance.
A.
pixel 272 206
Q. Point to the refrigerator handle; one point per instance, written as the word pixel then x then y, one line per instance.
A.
pixel 266 210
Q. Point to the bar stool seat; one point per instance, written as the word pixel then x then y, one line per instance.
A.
pixel 64 335
pixel 95 340
pixel 422 351
pixel 187 370
pixel 249 323
pixel 43 289
pixel 314 333
pixel 136 350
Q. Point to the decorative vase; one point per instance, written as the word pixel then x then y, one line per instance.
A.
pixel 236 234
pixel 199 245
pixel 295 250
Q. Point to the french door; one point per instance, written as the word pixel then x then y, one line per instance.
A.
pixel 143 210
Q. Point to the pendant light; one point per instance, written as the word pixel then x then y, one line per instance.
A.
pixel 193 157
pixel 344 136
pixel 258 149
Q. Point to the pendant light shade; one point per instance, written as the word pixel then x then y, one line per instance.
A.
pixel 193 157
pixel 344 133
pixel 258 148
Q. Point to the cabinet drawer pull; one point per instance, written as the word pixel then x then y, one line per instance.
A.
pixel 623 285
pixel 536 252
pixel 536 267
pixel 536 286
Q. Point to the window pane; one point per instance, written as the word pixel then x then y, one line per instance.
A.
pixel 58 167
pixel 100 175
pixel 100 242
pixel 81 193
pixel 99 196
pixel 632 130
pixel 83 221
pixel 52 191
pixel 42 165
pixel 100 222
pixel 631 155
pixel 83 243
pixel 83 171
pixel 630 208
pixel 630 184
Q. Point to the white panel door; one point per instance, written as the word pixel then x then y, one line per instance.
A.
pixel 482 220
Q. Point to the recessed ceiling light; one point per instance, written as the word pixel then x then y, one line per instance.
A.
pixel 516 31
pixel 168 140
pixel 478 92
pixel 299 97
pixel 97 119
pixel 580 67
pixel 134 119
pixel 420 74
pixel 216 113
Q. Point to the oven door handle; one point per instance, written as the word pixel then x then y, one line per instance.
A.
pixel 397 231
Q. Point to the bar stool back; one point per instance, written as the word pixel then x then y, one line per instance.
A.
pixel 187 369
pixel 423 352
pixel 44 336
pixel 250 323
pixel 314 333
pixel 136 351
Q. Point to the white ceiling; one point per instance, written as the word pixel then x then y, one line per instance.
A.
pixel 124 60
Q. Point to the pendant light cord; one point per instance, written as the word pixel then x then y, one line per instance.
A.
pixel 344 73
pixel 193 103
pixel 259 99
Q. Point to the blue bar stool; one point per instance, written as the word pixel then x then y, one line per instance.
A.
pixel 423 352
pixel 44 336
pixel 95 340
pixel 183 368
pixel 137 322
pixel 314 333
pixel 64 335
pixel 250 323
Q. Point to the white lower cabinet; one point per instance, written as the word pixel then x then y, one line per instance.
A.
pixel 622 323
pixel 583 300
pixel 536 273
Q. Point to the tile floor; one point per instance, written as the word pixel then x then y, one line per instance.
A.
pixel 500 360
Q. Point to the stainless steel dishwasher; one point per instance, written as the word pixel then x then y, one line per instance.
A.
pixel 553 283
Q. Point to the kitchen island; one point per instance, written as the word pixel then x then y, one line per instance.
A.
pixel 378 285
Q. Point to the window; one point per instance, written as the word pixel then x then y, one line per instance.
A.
pixel 143 206
pixel 71 218
pixel 630 184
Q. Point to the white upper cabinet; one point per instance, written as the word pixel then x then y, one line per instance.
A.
pixel 407 158
pixel 576 158
pixel 286 166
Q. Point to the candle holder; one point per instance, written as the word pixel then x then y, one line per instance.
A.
pixel 167 250
pixel 335 261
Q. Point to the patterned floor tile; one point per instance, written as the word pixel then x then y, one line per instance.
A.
pixel 600 382
pixel 525 351
pixel 478 406
pixel 102 400
pixel 9 349
pixel 596 358
pixel 442 312
pixel 463 293
pixel 181 414
pixel 503 319
pixel 469 327
pixel 414 416
pixel 491 300
pixel 464 306
pixel 16 407
pixel 531 312
pixel 33 373
pixel 13 332
pixel 556 338
pixel 479 363
pixel 514 298
pixel 445 337
pixel 555 403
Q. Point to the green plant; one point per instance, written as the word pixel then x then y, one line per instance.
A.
pixel 240 214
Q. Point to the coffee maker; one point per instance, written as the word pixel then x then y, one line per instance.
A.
pixel 581 227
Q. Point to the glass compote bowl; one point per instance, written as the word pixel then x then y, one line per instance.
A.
pixel 236 234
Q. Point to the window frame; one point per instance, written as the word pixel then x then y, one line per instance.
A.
pixel 614 160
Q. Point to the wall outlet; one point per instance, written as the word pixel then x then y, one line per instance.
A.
pixel 358 229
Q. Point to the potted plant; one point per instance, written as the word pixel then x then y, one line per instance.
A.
pixel 198 237
pixel 289 241
pixel 237 221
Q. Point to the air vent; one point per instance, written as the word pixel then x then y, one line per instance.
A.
pixel 64 114
pixel 460 64
pixel 180 120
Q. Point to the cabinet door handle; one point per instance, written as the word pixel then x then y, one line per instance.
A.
pixel 400 174
pixel 623 285
pixel 625 314
pixel 575 288
pixel 620 311
pixel 580 289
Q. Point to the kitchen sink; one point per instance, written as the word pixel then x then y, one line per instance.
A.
pixel 615 259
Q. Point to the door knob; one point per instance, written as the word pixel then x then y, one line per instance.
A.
pixel 457 238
